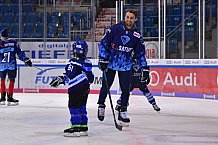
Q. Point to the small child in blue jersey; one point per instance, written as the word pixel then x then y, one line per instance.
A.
pixel 78 75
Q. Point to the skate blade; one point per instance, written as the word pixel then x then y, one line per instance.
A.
pixel 124 124
pixel 83 133
pixel 2 103
pixel 75 134
pixel 13 103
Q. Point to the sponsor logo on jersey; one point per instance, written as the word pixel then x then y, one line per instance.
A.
pixel 125 49
pixel 136 35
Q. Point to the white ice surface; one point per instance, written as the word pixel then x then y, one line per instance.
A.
pixel 41 118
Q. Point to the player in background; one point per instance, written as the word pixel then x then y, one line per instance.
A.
pixel 115 55
pixel 9 49
pixel 137 81
pixel 78 75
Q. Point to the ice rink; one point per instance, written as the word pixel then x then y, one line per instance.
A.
pixel 41 118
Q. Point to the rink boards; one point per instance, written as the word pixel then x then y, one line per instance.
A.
pixel 192 78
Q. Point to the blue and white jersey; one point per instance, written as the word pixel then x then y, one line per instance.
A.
pixel 78 73
pixel 8 50
pixel 118 45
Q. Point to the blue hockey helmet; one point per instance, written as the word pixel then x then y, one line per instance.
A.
pixel 80 47
pixel 4 32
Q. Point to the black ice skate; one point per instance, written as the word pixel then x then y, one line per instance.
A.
pixel 11 101
pixel 72 132
pixel 101 111
pixel 122 117
pixel 83 130
pixel 156 108
pixel 2 100
pixel 117 108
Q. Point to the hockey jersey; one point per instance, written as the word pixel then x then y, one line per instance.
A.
pixel 78 73
pixel 8 50
pixel 118 45
pixel 136 75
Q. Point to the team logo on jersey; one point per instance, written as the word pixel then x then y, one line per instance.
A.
pixel 136 67
pixel 136 35
pixel 125 39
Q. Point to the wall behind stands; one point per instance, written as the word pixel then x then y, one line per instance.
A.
pixel 192 78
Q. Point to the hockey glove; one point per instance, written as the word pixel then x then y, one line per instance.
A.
pixel 57 81
pixel 145 78
pixel 103 64
pixel 28 62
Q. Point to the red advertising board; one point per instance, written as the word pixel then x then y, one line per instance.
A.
pixel 185 79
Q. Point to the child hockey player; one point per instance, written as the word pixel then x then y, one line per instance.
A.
pixel 79 74
pixel 138 81
pixel 9 49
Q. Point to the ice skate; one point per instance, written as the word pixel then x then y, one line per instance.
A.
pixel 101 112
pixel 122 117
pixel 117 108
pixel 2 100
pixel 84 130
pixel 11 101
pixel 156 108
pixel 72 132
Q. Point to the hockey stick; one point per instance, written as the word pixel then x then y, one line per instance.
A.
pixel 119 127
pixel 37 68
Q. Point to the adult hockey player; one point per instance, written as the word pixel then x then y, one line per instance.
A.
pixel 78 75
pixel 115 55
pixel 9 49
pixel 137 81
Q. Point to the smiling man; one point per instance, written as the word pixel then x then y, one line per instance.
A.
pixel 117 49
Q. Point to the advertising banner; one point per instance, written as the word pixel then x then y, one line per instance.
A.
pixel 44 71
pixel 183 78
pixel 52 50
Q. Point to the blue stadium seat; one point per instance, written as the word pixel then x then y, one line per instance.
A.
pixel 41 17
pixel 154 32
pixel 76 16
pixel 24 17
pixel 150 10
pixel 148 22
pixel 189 33
pixel 27 8
pixel 15 1
pixel 14 8
pixel 9 17
pixel 173 45
pixel 28 30
pixel 4 8
pixel 51 35
pixel 189 9
pixel 174 20
pixel 65 17
pixel 39 31
pixel 65 27
pixel 52 30
pixel 169 29
pixel 4 25
pixel 1 17
pixel 176 10
pixel 14 30
pixel 63 35
pixel 33 17
pixel 169 9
